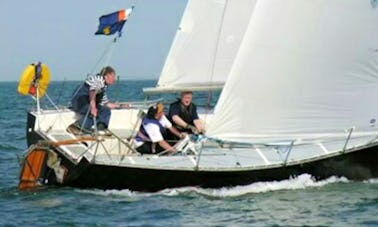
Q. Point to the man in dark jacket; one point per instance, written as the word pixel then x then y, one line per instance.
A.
pixel 183 114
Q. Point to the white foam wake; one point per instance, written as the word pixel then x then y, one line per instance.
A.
pixel 114 194
pixel 125 193
pixel 372 181
pixel 301 182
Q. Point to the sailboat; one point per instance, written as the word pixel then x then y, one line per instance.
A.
pixel 298 98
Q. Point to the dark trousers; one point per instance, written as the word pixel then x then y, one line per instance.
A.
pixel 147 148
pixel 173 138
pixel 83 108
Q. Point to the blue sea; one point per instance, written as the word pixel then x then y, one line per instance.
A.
pixel 299 201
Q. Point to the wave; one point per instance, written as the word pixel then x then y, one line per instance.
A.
pixel 48 202
pixel 300 182
pixel 9 148
pixel 115 194
pixel 371 181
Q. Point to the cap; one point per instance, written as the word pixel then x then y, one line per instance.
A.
pixel 156 109
pixel 159 107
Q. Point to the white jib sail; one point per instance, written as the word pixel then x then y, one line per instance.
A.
pixel 304 69
pixel 206 43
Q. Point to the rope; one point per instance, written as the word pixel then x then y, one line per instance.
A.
pixel 61 91
pixel 109 48
pixel 108 52
pixel 85 119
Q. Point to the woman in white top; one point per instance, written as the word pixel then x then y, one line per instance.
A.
pixel 150 138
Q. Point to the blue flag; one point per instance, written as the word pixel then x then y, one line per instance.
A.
pixel 112 23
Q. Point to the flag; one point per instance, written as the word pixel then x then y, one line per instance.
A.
pixel 113 22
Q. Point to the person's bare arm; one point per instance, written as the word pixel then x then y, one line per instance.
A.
pixel 179 121
pixel 112 105
pixel 175 132
pixel 92 103
pixel 166 146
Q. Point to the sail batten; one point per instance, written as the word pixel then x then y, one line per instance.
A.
pixel 303 68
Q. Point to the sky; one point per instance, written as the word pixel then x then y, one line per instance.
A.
pixel 61 35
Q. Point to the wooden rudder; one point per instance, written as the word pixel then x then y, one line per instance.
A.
pixel 32 169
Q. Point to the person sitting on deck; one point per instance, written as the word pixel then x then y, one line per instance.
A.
pixel 184 116
pixel 91 101
pixel 150 138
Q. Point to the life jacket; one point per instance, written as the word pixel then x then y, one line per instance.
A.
pixel 143 135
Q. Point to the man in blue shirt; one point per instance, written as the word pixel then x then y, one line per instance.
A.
pixel 183 114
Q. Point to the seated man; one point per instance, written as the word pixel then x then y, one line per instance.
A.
pixel 150 138
pixel 91 98
pixel 183 114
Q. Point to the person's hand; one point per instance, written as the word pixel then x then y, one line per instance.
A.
pixel 125 106
pixel 192 128
pixel 183 135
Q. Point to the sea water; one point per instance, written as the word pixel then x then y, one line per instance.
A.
pixel 299 201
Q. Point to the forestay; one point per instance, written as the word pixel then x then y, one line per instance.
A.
pixel 305 69
pixel 205 45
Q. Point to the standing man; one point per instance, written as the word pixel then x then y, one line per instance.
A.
pixel 150 138
pixel 183 114
pixel 91 101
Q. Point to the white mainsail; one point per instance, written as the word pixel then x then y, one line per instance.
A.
pixel 304 69
pixel 206 44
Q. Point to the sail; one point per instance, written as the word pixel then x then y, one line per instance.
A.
pixel 304 69
pixel 206 43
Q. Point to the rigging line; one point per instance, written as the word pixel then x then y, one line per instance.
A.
pixel 107 51
pixel 220 30
pixel 89 149
pixel 109 55
pixel 92 72
pixel 52 102
pixel 95 153
pixel 102 56
pixel 85 119
pixel 117 89
pixel 77 90
pixel 61 91
pixel 106 151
